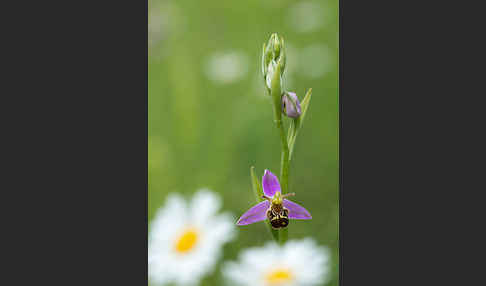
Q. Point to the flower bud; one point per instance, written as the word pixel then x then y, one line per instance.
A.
pixel 275 45
pixel 270 73
pixel 273 55
pixel 291 105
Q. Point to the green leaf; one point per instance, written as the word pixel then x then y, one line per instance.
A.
pixel 255 183
pixel 304 106
pixel 298 122
pixel 290 133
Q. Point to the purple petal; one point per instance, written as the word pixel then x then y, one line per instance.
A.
pixel 296 211
pixel 255 214
pixel 270 184
pixel 291 105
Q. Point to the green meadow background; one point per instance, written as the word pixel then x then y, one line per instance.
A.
pixel 209 119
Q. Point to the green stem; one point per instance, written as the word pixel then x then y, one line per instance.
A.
pixel 284 175
pixel 284 163
pixel 276 94
pixel 283 235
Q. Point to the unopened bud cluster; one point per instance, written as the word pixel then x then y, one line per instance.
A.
pixel 273 67
pixel 273 55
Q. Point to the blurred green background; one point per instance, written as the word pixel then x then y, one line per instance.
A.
pixel 209 119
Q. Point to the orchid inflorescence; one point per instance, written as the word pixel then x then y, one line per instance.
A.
pixel 189 235
pixel 272 203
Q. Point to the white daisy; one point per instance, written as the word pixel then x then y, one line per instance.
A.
pixel 296 263
pixel 185 240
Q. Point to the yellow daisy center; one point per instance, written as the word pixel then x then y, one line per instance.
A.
pixel 187 240
pixel 278 276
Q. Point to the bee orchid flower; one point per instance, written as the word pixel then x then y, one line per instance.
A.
pixel 275 207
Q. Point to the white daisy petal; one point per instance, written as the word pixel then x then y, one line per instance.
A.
pixel 172 214
pixel 300 262
pixel 204 205
pixel 185 241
